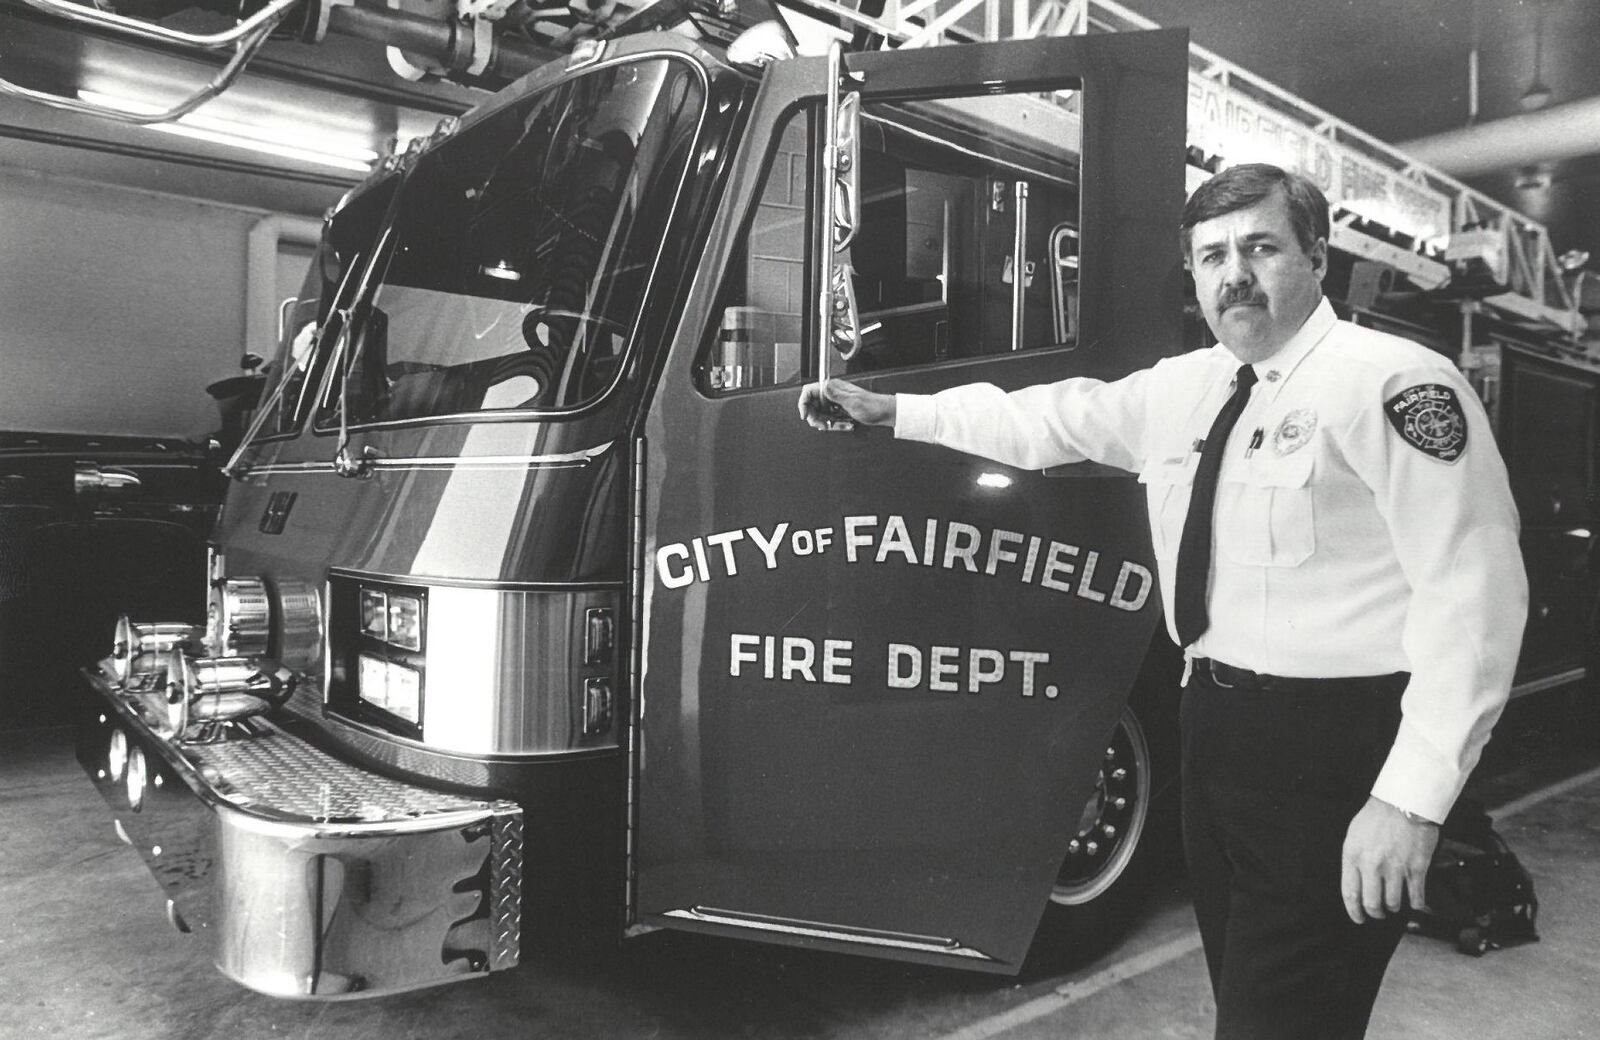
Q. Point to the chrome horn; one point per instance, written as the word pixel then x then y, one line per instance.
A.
pixel 221 689
pixel 139 648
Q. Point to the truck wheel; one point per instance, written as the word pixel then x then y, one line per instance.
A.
pixel 1110 825
pixel 1120 835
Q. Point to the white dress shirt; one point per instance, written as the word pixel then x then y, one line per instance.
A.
pixel 1357 533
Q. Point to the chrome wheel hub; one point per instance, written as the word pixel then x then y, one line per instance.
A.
pixel 1111 822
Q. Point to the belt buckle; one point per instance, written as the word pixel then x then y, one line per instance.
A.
pixel 1216 679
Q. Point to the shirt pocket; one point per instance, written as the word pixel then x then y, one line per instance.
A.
pixel 1168 483
pixel 1265 512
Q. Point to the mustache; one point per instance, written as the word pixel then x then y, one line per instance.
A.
pixel 1246 295
pixel 1235 297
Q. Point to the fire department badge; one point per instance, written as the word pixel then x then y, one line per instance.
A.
pixel 1294 432
pixel 1429 418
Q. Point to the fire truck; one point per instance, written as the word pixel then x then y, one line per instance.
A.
pixel 535 614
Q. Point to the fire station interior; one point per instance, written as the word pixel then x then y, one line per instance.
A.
pixel 167 170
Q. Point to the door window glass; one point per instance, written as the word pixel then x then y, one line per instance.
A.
pixel 959 198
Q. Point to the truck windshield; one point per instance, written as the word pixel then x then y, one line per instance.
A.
pixel 523 248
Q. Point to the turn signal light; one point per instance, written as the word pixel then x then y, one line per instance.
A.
pixel 597 707
pixel 599 635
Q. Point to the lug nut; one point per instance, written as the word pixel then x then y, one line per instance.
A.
pixel 1093 848
pixel 1109 831
pixel 1120 774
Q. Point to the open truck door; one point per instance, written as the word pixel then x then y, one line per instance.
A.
pixel 876 678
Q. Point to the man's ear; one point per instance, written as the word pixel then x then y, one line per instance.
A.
pixel 1319 258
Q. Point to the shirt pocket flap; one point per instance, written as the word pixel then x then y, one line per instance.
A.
pixel 1171 469
pixel 1277 471
pixel 1168 480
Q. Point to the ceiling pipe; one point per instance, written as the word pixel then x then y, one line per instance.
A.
pixel 443 40
pixel 1560 132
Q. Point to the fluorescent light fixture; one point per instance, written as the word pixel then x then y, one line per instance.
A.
pixel 994 480
pixel 241 135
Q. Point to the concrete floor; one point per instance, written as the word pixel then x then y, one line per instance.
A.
pixel 85 949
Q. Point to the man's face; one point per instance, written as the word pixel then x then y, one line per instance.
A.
pixel 1256 284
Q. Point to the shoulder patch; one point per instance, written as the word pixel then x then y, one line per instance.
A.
pixel 1428 417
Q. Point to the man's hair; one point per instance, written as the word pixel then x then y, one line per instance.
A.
pixel 1239 187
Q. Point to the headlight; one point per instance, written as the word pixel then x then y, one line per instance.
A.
pixel 392 617
pixel 375 614
pixel 405 621
pixel 391 686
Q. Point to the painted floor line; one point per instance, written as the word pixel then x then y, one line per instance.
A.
pixel 1556 790
pixel 1070 993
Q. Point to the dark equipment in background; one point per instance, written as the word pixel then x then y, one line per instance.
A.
pixel 88 526
pixel 1479 895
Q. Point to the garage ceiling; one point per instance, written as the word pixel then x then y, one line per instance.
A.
pixel 339 95
pixel 1398 70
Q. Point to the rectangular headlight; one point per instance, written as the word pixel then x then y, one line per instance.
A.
pixel 391 686
pixel 375 614
pixel 405 621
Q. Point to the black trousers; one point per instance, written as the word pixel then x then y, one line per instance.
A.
pixel 1271 781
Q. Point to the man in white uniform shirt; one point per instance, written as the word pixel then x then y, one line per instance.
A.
pixel 1337 549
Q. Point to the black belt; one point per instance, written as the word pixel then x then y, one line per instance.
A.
pixel 1227 677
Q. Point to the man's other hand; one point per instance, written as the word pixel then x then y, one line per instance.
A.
pixel 1386 856
pixel 839 405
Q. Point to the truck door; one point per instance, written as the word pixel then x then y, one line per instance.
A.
pixel 876 678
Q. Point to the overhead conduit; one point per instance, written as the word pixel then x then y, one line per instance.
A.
pixel 1563 131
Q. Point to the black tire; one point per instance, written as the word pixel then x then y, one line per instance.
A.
pixel 1107 876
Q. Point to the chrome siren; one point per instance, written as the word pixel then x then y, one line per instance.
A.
pixel 239 618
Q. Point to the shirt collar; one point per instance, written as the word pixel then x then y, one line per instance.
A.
pixel 1278 367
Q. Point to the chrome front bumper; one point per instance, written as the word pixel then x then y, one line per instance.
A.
pixel 310 877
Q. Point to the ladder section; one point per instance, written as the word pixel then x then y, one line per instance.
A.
pixel 1387 206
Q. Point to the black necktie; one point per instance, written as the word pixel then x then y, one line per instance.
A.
pixel 1194 548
